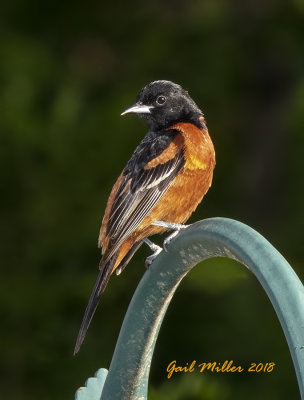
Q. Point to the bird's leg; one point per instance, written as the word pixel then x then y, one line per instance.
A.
pixel 154 247
pixel 169 225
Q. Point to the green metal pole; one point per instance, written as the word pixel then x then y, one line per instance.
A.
pixel 129 370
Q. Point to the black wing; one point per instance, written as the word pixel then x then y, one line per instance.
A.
pixel 140 191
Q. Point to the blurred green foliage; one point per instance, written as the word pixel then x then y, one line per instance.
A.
pixel 66 73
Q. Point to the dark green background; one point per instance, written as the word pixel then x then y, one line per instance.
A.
pixel 67 71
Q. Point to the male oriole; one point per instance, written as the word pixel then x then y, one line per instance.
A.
pixel 165 179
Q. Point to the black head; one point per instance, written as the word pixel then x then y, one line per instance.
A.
pixel 164 103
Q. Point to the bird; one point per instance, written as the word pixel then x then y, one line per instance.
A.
pixel 161 185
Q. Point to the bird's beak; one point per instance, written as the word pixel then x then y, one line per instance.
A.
pixel 138 108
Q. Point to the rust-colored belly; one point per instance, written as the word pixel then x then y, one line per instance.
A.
pixel 190 185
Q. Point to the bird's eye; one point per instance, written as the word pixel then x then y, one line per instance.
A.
pixel 161 100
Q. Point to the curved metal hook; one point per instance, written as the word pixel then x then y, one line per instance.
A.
pixel 129 370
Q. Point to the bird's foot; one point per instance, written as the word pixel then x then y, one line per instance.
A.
pixel 168 239
pixel 170 225
pixel 154 247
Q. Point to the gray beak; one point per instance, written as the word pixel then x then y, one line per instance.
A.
pixel 138 108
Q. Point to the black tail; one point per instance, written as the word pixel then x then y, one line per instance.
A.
pixel 100 285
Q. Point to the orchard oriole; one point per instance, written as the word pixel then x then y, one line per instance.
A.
pixel 165 179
